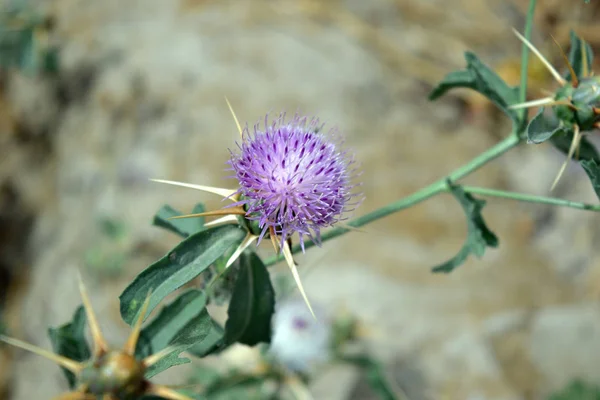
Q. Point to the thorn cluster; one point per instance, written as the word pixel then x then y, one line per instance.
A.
pixel 577 103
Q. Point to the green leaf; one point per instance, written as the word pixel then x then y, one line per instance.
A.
pixel 576 56
pixel 29 53
pixel 243 387
pixel 69 341
pixel 252 304
pixel 51 62
pixel 204 375
pixel 482 79
pixel 193 332
pixel 231 385
pixel 577 390
pixel 222 288
pixel 173 317
pixel 541 128
pixel 213 343
pixel 592 169
pixel 183 323
pixel 375 375
pixel 20 47
pixel 112 228
pixel 179 266
pixel 479 237
pixel 183 227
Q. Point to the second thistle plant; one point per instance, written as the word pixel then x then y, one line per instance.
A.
pixel 575 105
pixel 108 373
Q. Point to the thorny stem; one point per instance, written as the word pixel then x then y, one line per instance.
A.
pixel 415 198
pixel 441 185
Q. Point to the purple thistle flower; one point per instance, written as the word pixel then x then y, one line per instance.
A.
pixel 293 178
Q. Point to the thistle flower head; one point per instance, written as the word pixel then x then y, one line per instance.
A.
pixel 293 177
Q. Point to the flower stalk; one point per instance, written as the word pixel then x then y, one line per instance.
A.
pixel 427 192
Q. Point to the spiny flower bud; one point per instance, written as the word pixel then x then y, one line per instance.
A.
pixel 109 374
pixel 576 103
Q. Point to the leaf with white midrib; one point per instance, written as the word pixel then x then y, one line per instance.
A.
pixel 179 266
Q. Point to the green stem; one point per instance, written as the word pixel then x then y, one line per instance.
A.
pixel 376 376
pixel 528 198
pixel 525 57
pixel 441 185
pixel 413 199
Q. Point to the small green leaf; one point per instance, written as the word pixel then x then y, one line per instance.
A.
pixel 231 385
pixel 193 332
pixel 112 228
pixel 204 375
pixel 222 288
pixel 29 61
pixel 183 227
pixel 252 304
pixel 51 62
pixel 375 375
pixel 69 341
pixel 482 79
pixel 20 47
pixel 479 237
pixel 173 317
pixel 577 390
pixel 179 266
pixel 213 343
pixel 592 169
pixel 240 387
pixel 183 323
pixel 576 56
pixel 541 128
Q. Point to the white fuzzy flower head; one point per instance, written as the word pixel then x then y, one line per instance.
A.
pixel 299 340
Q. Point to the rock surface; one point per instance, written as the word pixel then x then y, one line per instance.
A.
pixel 145 86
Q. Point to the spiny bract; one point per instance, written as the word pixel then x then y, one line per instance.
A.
pixel 109 374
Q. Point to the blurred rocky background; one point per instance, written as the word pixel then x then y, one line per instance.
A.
pixel 110 93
